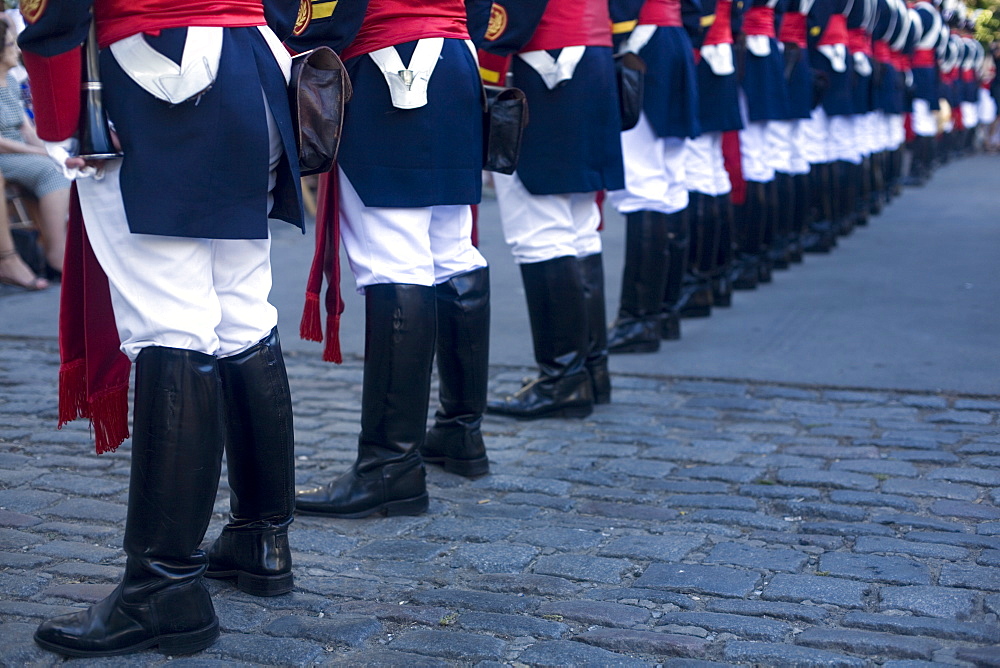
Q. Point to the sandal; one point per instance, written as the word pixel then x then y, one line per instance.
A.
pixel 22 276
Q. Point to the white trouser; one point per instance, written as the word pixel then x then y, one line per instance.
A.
pixel 784 138
pixel 987 107
pixel 970 114
pixel 655 178
pixel 706 167
pixel 813 140
pixel 418 246
pixel 843 138
pixel 206 295
pixel 543 227
pixel 923 120
pixel 755 153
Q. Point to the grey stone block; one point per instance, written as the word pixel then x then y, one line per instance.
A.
pixel 974 577
pixel 869 642
pixel 645 642
pixel 742 626
pixel 739 518
pixel 511 626
pixel 779 492
pixel 965 510
pixel 405 550
pixel 812 614
pixel 570 654
pixel 893 570
pixel 583 567
pixel 924 626
pixel 653 548
pixel 262 649
pixel 350 630
pixel 932 601
pixel 787 656
pixel 561 538
pixel 924 488
pixel 727 501
pixel 818 589
pixel 494 558
pixel 478 530
pixel 720 580
pixel 601 613
pixel 835 479
pixel 872 499
pixel 741 554
pixel 475 600
pixel 450 645
pixel 881 544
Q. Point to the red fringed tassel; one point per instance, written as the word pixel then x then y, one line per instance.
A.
pixel 109 415
pixel 309 327
pixel 331 352
pixel 72 391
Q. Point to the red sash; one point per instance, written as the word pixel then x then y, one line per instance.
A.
pixel 794 29
pixel 666 13
pixel 118 19
pixel 392 22
pixel 572 23
pixel 759 21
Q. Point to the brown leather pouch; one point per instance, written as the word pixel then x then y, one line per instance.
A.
pixel 504 118
pixel 317 92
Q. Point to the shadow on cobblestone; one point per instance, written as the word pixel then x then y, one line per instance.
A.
pixel 690 523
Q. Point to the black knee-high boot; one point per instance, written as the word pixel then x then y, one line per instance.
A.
pixel 800 217
pixel 557 312
pixel 722 285
pixel 253 547
pixel 455 442
pixel 696 300
pixel 783 213
pixel 678 241
pixel 388 475
pixel 845 201
pixel 821 236
pixel 750 233
pixel 592 273
pixel 644 278
pixel 176 460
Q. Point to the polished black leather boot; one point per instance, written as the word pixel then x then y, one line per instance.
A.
pixel 747 268
pixel 592 273
pixel 722 285
pixel 558 315
pixel 176 460
pixel 455 442
pixel 821 236
pixel 253 547
pixel 388 475
pixel 696 297
pixel 644 278
pixel 800 217
pixel 782 207
pixel 678 242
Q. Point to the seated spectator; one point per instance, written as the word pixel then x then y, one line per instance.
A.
pixel 23 159
pixel 13 270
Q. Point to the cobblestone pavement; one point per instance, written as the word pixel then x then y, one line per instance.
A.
pixel 691 523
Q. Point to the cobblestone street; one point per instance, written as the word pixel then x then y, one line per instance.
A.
pixel 690 523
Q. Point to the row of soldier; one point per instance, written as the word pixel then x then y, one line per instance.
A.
pixel 167 265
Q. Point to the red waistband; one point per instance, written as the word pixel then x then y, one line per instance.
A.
pixel 119 19
pixel 375 37
pixel 759 21
pixel 923 58
pixel 859 41
pixel 836 31
pixel 572 23
pixel 721 30
pixel 661 13
pixel 794 29
pixel 968 75
pixel 883 53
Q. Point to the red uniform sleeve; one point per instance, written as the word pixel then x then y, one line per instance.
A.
pixel 55 92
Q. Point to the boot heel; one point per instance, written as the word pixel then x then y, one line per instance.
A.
pixel 264 585
pixel 416 506
pixel 189 643
pixel 467 468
